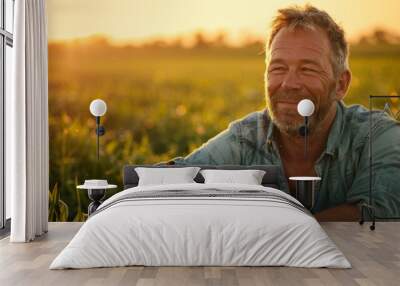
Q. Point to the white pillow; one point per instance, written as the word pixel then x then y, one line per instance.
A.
pixel 162 176
pixel 249 177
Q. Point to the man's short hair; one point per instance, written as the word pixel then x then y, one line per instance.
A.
pixel 310 17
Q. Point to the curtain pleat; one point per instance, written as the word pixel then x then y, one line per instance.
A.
pixel 31 156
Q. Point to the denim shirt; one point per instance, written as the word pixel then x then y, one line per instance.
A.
pixel 343 166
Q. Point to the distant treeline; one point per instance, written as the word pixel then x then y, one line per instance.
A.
pixel 376 44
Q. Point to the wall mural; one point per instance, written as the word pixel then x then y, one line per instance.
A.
pixel 168 93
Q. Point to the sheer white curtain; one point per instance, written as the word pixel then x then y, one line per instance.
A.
pixel 27 142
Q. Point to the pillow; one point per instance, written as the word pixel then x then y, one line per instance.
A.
pixel 249 177
pixel 162 176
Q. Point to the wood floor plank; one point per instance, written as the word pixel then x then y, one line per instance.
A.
pixel 374 255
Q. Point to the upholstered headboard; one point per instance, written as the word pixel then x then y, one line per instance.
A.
pixel 270 179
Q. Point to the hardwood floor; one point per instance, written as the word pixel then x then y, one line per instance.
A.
pixel 374 255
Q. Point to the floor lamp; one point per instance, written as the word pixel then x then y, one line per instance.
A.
pixel 369 207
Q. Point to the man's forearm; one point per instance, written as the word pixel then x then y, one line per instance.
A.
pixel 344 212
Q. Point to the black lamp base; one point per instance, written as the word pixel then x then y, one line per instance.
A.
pixel 370 210
pixel 96 196
pixel 306 193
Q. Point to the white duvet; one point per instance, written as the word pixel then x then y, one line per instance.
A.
pixel 200 231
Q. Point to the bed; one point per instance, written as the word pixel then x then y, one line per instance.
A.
pixel 201 224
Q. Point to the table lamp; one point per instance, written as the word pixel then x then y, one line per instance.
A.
pixel 306 185
pixel 98 108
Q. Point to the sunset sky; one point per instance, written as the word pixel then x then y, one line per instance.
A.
pixel 138 20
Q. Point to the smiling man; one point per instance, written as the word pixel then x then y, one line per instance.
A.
pixel 307 58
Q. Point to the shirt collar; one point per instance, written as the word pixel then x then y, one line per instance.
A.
pixel 264 132
pixel 335 133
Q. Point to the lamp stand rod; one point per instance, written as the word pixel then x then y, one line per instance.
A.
pixel 305 136
pixel 98 135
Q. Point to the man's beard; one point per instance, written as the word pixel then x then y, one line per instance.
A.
pixel 289 120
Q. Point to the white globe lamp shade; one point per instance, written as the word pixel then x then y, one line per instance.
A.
pixel 305 107
pixel 98 107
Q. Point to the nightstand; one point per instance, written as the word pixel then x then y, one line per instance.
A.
pixel 96 192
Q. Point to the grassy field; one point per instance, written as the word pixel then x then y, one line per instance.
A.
pixel 162 103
